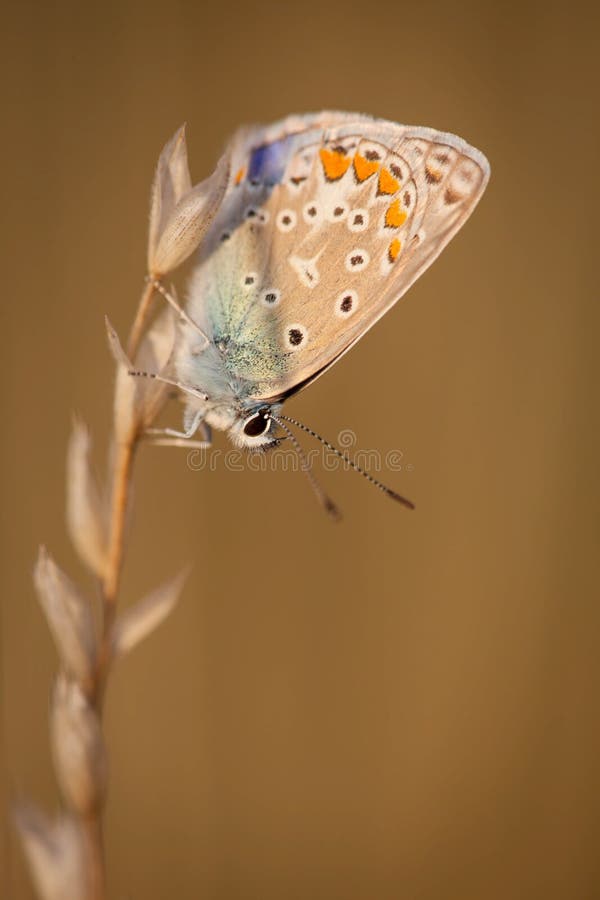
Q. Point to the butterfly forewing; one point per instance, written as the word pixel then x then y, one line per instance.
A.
pixel 327 223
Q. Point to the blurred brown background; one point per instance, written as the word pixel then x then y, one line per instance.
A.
pixel 402 706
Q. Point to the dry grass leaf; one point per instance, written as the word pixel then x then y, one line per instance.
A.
pixel 138 400
pixel 86 512
pixel 77 747
pixel 171 181
pixel 154 355
pixel 188 221
pixel 69 617
pixel 55 853
pixel 140 620
pixel 127 405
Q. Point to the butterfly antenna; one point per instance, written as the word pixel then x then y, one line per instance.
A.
pixel 330 508
pixel 378 484
pixel 186 388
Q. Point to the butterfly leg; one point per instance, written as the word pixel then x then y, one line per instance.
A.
pixel 180 442
pixel 170 437
pixel 174 304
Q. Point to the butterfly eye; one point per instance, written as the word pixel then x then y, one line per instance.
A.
pixel 257 424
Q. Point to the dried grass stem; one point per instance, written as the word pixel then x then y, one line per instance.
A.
pixel 66 853
pixel 137 329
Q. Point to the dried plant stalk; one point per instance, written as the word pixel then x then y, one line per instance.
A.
pixel 66 855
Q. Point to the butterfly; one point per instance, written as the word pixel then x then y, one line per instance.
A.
pixel 326 222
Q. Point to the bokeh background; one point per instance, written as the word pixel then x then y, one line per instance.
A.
pixel 402 706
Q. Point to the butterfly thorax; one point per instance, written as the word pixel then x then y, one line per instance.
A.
pixel 231 401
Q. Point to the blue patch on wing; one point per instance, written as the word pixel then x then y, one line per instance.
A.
pixel 268 162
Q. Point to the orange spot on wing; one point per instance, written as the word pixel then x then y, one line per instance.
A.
pixel 395 217
pixel 335 163
pixel 240 175
pixel 364 168
pixel 387 183
pixel 394 250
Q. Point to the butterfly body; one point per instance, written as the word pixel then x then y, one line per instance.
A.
pixel 327 221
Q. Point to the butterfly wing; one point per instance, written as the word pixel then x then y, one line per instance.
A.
pixel 328 221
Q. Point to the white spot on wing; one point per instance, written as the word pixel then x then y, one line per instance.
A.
pixel 295 336
pixel 271 297
pixel 286 220
pixel 345 304
pixel 358 220
pixel 306 269
pixel 372 151
pixel 337 212
pixel 357 260
pixel 312 213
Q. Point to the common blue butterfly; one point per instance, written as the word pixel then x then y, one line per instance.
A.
pixel 326 222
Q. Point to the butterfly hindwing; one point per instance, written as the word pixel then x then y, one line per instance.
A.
pixel 328 221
